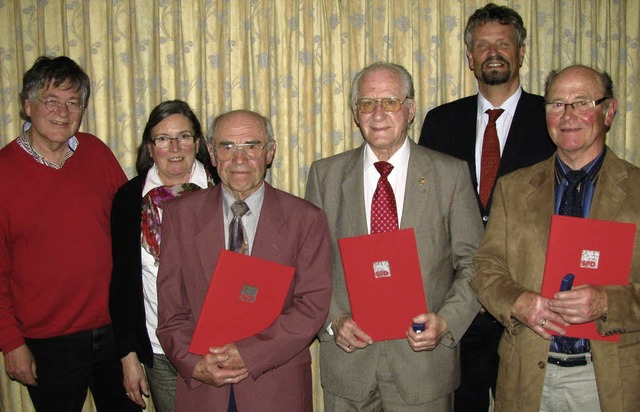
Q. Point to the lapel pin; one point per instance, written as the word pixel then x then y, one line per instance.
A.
pixel 421 181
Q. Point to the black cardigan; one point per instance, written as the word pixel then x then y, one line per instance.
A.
pixel 126 298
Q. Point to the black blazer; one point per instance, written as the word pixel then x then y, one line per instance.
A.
pixel 451 129
pixel 126 298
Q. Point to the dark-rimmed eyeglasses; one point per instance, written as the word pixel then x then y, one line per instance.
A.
pixel 250 151
pixel 183 139
pixel 581 106
pixel 389 104
pixel 55 105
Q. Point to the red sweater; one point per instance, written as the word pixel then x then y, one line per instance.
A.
pixel 55 247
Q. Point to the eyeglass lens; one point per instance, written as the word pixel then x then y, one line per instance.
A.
pixel 389 104
pixel 250 151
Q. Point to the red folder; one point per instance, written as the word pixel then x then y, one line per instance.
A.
pixel 384 282
pixel 245 296
pixel 597 252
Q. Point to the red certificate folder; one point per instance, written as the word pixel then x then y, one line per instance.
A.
pixel 597 252
pixel 384 282
pixel 245 296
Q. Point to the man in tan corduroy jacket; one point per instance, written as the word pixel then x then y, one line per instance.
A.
pixel 510 261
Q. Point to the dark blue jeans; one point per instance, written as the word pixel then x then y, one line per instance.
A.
pixel 69 365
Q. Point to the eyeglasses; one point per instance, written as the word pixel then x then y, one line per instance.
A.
pixel 250 151
pixel 579 107
pixel 389 104
pixel 54 106
pixel 183 139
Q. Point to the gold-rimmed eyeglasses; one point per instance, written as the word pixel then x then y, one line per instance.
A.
pixel 581 106
pixel 54 106
pixel 183 139
pixel 389 104
pixel 250 151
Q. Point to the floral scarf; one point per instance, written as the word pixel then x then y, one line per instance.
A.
pixel 151 213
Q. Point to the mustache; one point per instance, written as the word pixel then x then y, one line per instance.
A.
pixel 495 59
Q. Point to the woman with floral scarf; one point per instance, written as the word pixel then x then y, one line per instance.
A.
pixel 172 161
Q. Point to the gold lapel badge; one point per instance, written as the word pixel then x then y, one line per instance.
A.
pixel 421 182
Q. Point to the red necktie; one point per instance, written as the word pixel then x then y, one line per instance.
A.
pixel 384 215
pixel 490 156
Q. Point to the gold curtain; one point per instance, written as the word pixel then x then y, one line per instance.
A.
pixel 293 61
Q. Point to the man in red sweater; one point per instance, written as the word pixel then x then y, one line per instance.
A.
pixel 55 250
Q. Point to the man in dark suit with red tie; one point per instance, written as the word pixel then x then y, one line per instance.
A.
pixel 497 131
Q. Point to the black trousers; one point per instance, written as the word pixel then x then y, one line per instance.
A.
pixel 478 364
pixel 69 365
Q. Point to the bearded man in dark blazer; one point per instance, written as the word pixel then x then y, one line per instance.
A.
pixel 494 39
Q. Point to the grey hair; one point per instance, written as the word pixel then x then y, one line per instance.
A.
pixel 57 72
pixel 268 127
pixel 405 76
pixel 494 13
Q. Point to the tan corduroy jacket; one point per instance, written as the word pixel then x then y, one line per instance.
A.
pixel 510 261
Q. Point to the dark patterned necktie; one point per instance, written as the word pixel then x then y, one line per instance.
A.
pixel 384 214
pixel 490 156
pixel 238 241
pixel 571 205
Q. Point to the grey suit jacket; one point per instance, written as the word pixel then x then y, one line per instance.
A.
pixel 290 232
pixel 440 205
pixel 510 261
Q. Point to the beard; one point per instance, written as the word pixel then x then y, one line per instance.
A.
pixel 494 77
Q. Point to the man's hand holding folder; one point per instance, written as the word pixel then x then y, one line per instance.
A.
pixel 348 334
pixel 571 304
pixel 222 366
